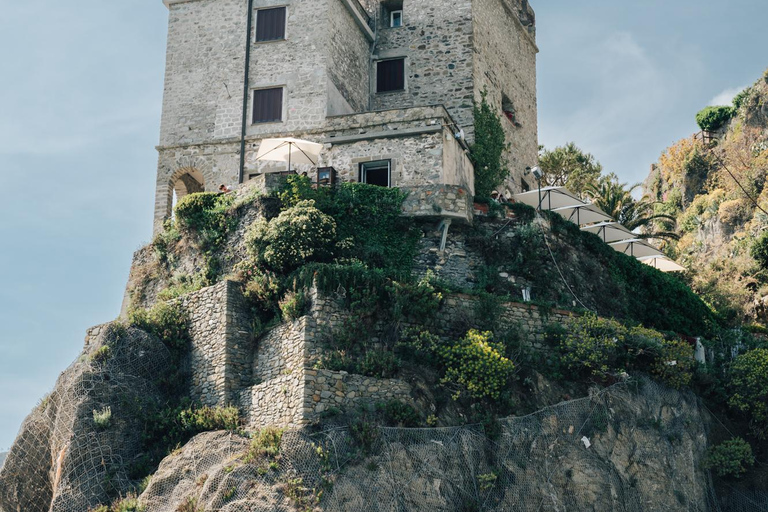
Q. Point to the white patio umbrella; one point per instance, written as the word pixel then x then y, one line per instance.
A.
pixel 583 214
pixel 551 198
pixel 662 263
pixel 609 231
pixel 289 150
pixel 636 248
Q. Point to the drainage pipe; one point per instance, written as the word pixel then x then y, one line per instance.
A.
pixel 249 24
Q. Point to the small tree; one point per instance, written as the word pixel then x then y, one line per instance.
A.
pixel 731 458
pixel 711 119
pixel 759 250
pixel 749 387
pixel 487 151
pixel 568 166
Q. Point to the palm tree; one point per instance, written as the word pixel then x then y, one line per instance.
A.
pixel 616 200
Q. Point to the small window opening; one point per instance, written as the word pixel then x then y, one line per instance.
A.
pixel 377 173
pixel 390 75
pixel 509 110
pixel 524 185
pixel 270 24
pixel 396 19
pixel 268 105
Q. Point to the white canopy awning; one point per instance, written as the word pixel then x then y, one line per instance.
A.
pixel 289 150
pixel 551 198
pixel 662 263
pixel 636 248
pixel 583 214
pixel 609 231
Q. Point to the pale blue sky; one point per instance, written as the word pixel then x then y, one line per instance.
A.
pixel 81 83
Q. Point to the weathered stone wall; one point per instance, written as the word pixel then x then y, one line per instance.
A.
pixel 436 39
pixel 325 389
pixel 439 201
pixel 221 346
pixel 505 64
pixel 278 402
pixel 204 70
pixel 280 351
pixel 349 56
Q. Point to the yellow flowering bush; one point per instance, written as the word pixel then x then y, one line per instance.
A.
pixel 478 364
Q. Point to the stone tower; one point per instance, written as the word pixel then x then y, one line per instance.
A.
pixel 385 81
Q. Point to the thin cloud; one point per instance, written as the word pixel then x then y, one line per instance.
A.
pixel 726 97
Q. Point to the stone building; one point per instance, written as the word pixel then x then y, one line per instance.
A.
pixel 387 86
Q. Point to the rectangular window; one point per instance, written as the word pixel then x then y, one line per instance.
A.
pixel 390 75
pixel 376 173
pixel 270 24
pixel 396 19
pixel 524 185
pixel 268 105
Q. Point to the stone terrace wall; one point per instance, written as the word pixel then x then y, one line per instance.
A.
pixel 221 344
pixel 439 201
pixel 324 389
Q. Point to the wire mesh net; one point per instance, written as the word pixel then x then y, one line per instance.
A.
pixel 631 447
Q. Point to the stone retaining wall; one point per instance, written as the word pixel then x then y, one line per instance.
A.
pixel 325 389
pixel 221 345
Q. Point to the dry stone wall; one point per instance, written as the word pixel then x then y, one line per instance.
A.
pixel 221 346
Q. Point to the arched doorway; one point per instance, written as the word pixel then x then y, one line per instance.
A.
pixel 186 181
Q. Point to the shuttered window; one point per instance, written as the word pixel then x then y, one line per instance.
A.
pixel 390 75
pixel 270 24
pixel 268 105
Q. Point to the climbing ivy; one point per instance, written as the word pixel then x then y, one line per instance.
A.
pixel 486 153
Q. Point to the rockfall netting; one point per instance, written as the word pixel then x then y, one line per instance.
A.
pixel 632 447
pixel 62 460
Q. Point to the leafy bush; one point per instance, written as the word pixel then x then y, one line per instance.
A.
pixel 486 153
pixel 169 322
pixel 205 419
pixel 711 119
pixel 478 364
pixel 419 300
pixel 298 235
pixel 102 418
pixel 264 444
pixel 759 250
pixel 399 414
pixel 731 458
pixel 293 305
pixel 749 387
pixel 102 354
pixel 675 365
pixel 739 99
pixel 378 363
pixel 591 345
pixel 205 215
pixel 129 503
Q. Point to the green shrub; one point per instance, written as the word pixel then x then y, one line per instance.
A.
pixel 759 250
pixel 399 414
pixel 298 235
pixel 102 418
pixel 207 216
pixel 205 419
pixel 264 444
pixel 294 305
pixel 675 365
pixel 486 153
pixel 591 345
pixel 378 363
pixel 418 346
pixel 739 99
pixel 711 119
pixel 189 505
pixel 749 387
pixel 182 285
pixel 169 322
pixel 731 458
pixel 418 300
pixel 478 364
pixel 102 354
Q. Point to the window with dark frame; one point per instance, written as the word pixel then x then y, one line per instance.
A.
pixel 376 173
pixel 268 105
pixel 524 185
pixel 390 75
pixel 270 24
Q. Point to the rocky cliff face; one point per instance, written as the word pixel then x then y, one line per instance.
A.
pixel 713 184
pixel 63 458
pixel 2 458
pixel 630 447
